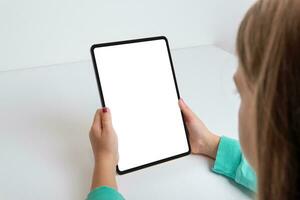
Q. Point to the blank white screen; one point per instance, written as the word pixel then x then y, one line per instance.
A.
pixel 138 87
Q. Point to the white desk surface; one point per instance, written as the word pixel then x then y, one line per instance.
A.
pixel 46 113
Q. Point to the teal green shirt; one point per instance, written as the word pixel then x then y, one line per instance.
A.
pixel 229 162
pixel 104 193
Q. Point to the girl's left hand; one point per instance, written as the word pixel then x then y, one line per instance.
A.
pixel 105 147
pixel 103 138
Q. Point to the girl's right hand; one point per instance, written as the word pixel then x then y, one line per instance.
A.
pixel 202 141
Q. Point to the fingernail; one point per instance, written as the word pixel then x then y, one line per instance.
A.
pixel 182 101
pixel 104 109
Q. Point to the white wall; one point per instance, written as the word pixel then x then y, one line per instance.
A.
pixel 39 32
pixel 230 16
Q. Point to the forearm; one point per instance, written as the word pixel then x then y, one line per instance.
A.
pixel 104 174
pixel 104 185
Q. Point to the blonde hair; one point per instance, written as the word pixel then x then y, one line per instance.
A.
pixel 268 47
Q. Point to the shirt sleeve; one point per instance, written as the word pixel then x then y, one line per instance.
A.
pixel 104 193
pixel 230 162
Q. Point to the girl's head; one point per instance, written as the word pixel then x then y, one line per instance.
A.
pixel 268 79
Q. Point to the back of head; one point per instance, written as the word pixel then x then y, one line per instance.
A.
pixel 268 46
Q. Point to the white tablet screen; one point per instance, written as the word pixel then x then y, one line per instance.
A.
pixel 139 88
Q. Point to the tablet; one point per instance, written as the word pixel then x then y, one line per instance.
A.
pixel 136 81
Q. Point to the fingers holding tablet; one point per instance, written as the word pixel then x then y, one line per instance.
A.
pixel 103 137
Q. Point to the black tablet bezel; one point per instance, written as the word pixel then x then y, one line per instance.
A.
pixel 120 172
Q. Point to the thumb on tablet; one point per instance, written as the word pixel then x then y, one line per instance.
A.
pixel 106 118
pixel 188 114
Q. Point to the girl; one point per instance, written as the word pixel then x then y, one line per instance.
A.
pixel 268 81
